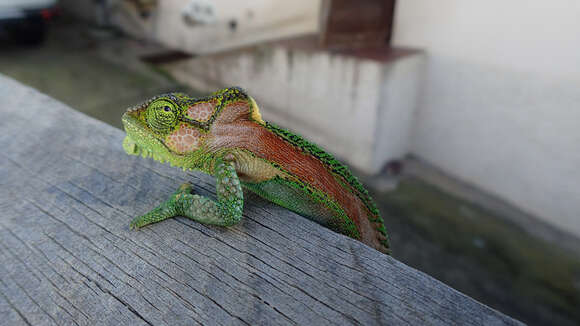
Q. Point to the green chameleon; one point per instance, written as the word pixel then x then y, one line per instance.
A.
pixel 224 135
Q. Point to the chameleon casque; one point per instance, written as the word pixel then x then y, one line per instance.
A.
pixel 224 135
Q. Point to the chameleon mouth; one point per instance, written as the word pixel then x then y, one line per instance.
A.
pixel 132 148
pixel 139 141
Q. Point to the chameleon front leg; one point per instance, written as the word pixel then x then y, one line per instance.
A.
pixel 225 212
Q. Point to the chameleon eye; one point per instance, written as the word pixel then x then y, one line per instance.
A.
pixel 161 116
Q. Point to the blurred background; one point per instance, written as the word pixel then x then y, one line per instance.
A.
pixel 461 116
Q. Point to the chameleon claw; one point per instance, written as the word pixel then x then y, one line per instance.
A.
pixel 185 188
pixel 134 225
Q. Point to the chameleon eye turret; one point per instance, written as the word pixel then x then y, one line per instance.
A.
pixel 162 115
pixel 224 135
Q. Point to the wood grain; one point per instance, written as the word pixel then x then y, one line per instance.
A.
pixel 68 192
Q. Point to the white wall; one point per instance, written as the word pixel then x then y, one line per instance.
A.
pixel 256 21
pixel 358 109
pixel 500 105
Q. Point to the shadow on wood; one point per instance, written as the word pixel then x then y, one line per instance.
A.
pixel 68 192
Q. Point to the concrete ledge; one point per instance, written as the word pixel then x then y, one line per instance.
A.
pixel 68 257
pixel 357 104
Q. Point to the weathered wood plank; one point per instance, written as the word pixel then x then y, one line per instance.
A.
pixel 68 192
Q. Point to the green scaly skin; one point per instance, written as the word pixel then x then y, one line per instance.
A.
pixel 227 211
pixel 174 128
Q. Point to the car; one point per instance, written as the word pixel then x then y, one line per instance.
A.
pixel 26 20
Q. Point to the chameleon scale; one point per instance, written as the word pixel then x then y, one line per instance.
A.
pixel 224 135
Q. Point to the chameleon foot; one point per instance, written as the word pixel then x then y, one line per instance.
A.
pixel 185 188
pixel 226 211
pixel 169 208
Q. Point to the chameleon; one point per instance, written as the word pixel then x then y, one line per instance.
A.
pixel 223 135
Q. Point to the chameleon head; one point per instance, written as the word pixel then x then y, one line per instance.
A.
pixel 160 128
pixel 186 131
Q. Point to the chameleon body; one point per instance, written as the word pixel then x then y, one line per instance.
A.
pixel 224 135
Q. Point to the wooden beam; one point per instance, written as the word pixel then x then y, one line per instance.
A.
pixel 68 192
